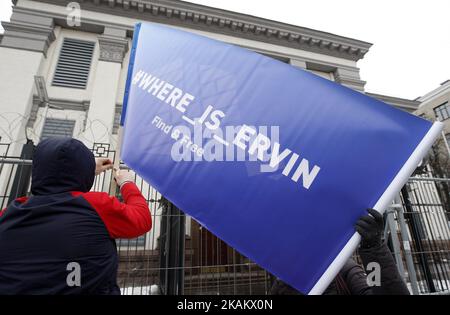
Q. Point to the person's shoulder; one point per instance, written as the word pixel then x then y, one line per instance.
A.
pixel 94 197
pixel 89 193
pixel 17 201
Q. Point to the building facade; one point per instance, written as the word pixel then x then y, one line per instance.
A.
pixel 63 72
pixel 435 106
pixel 83 67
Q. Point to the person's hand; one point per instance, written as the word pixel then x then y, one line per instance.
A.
pixel 370 227
pixel 102 164
pixel 122 177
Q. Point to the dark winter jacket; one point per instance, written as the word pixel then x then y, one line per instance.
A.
pixel 351 280
pixel 62 223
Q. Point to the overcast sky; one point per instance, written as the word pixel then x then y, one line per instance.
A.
pixel 411 38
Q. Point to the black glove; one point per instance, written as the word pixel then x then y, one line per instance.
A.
pixel 370 227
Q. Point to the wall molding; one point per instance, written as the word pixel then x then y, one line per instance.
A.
pixel 401 103
pixel 28 32
pixel 214 20
pixel 112 49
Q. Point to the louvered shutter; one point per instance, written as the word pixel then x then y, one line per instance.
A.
pixel 57 128
pixel 74 63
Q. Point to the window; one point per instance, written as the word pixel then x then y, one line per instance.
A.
pixel 442 112
pixel 447 137
pixel 74 63
pixel 57 128
pixel 131 243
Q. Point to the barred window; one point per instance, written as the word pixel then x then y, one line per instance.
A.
pixel 442 112
pixel 57 128
pixel 74 63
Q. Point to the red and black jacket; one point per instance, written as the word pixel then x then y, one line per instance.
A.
pixel 64 223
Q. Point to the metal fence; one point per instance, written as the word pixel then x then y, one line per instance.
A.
pixel 179 256
pixel 424 230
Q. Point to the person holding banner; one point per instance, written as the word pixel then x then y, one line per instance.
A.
pixel 61 240
pixel 352 279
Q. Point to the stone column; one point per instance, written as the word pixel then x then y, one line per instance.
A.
pixel 113 46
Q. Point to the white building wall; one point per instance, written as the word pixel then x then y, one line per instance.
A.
pixel 17 71
pixel 251 44
pixel 16 90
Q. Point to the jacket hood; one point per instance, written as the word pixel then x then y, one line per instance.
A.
pixel 62 165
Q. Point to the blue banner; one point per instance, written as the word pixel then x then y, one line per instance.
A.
pixel 277 162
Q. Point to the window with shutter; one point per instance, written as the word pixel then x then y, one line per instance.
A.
pixel 74 63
